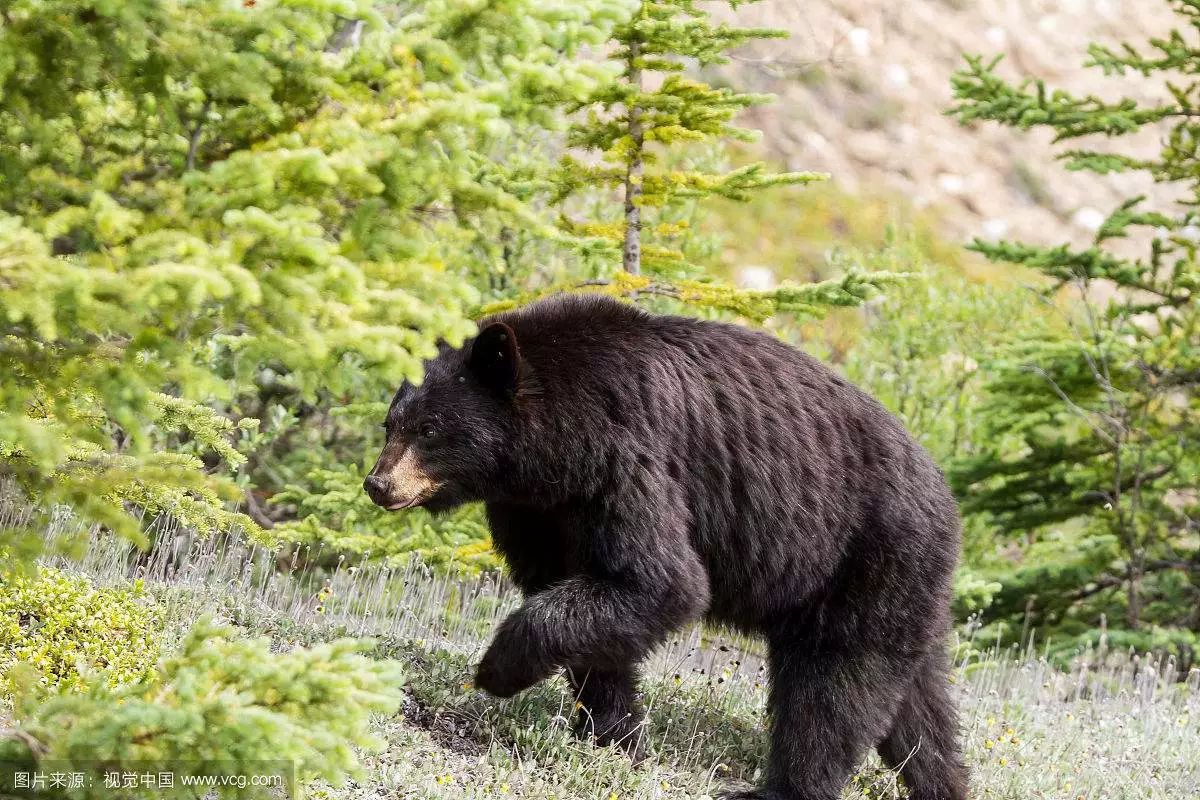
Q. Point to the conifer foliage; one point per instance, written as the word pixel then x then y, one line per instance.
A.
pixel 1092 451
pixel 634 121
pixel 215 215
pixel 224 705
pixel 212 211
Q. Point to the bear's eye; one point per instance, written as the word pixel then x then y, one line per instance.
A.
pixel 428 431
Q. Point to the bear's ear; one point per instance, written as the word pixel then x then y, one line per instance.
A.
pixel 495 359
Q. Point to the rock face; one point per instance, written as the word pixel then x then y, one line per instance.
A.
pixel 863 85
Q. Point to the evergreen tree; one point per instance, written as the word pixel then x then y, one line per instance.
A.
pixel 217 217
pixel 656 42
pixel 1092 448
pixel 219 223
pixel 650 141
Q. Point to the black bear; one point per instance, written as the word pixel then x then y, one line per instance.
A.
pixel 641 472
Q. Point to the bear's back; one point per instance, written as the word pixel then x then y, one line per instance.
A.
pixel 781 465
pixel 700 385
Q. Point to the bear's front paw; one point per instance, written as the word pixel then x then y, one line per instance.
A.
pixel 504 672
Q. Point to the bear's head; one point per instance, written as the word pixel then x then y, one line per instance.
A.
pixel 449 439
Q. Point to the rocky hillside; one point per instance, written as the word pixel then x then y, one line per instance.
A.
pixel 863 86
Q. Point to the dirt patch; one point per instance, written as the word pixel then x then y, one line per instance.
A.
pixel 443 727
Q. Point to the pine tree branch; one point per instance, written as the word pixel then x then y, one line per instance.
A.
pixel 36 748
pixel 1171 378
pixel 1078 410
pixel 194 135
pixel 254 511
pixel 1101 583
pixel 1160 565
pixel 1108 581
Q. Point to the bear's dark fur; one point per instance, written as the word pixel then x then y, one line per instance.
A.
pixel 642 472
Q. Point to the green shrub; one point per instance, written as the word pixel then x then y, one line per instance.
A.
pixel 63 628
pixel 222 705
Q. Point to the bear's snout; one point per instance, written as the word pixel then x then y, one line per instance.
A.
pixel 377 489
pixel 403 484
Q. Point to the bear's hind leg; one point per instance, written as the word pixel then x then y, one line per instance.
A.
pixel 827 709
pixel 923 741
pixel 609 710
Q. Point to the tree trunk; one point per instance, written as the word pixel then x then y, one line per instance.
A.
pixel 631 254
pixel 1133 573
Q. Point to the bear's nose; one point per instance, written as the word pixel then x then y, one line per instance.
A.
pixel 376 488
